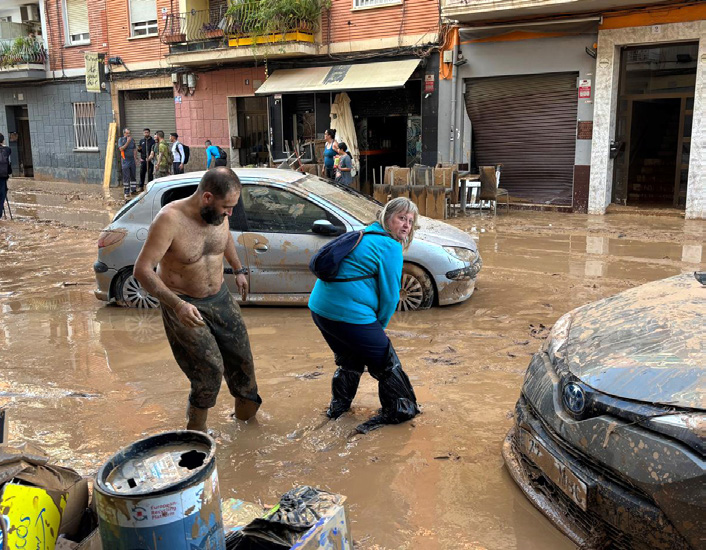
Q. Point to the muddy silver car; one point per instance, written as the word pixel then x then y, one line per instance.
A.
pixel 282 218
pixel 610 433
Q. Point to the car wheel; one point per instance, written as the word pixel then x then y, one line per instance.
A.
pixel 417 291
pixel 129 293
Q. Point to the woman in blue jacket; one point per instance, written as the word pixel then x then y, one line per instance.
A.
pixel 352 317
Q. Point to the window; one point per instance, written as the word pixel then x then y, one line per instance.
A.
pixel 77 22
pixel 274 210
pixel 143 17
pixel 85 126
pixel 374 3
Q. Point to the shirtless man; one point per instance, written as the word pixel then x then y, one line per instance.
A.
pixel 186 244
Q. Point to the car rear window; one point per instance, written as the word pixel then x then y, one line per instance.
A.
pixel 125 209
pixel 179 192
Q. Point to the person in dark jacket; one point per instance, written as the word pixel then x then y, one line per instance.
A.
pixel 352 317
pixel 146 167
pixel 5 172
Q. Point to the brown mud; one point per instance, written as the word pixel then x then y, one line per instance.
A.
pixel 83 380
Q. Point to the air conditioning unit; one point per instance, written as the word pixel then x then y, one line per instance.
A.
pixel 29 13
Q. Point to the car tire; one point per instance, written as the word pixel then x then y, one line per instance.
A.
pixel 129 292
pixel 417 290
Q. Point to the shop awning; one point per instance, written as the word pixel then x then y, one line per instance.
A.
pixel 336 78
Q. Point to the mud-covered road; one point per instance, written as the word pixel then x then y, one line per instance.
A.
pixel 82 379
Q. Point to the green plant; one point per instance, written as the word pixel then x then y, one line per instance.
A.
pixel 22 50
pixel 264 17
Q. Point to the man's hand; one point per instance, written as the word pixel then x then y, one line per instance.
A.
pixel 181 166
pixel 189 315
pixel 242 282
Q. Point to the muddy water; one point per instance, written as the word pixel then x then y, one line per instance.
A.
pixel 83 380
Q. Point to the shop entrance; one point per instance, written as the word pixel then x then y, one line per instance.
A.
pixel 653 125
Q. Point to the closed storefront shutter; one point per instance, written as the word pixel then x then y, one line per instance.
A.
pixel 527 123
pixel 77 14
pixel 153 109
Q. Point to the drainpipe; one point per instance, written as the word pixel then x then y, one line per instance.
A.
pixel 452 121
pixel 461 122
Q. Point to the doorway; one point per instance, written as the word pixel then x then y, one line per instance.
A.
pixel 653 125
pixel 20 141
pixel 653 152
pixel 253 131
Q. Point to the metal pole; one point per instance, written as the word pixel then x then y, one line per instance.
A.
pixel 8 207
pixel 452 122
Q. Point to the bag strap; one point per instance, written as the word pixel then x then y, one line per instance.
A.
pixel 361 277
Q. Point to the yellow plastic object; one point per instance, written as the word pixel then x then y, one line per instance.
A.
pixel 296 36
pixel 32 516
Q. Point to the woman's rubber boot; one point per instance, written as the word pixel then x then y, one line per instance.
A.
pixel 196 418
pixel 344 386
pixel 399 403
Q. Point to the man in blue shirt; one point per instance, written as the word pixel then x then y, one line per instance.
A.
pixel 213 153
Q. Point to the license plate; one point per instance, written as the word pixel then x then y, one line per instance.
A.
pixel 554 469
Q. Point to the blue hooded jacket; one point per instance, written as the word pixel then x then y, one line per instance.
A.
pixel 363 302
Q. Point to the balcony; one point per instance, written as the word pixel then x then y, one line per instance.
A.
pixel 241 31
pixel 468 11
pixel 22 57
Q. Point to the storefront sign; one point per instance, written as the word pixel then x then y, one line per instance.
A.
pixel 585 89
pixel 336 74
pixel 428 83
pixel 94 72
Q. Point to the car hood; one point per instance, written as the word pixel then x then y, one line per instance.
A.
pixel 442 234
pixel 645 344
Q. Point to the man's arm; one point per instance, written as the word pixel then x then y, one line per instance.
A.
pixel 159 239
pixel 231 256
pixel 208 158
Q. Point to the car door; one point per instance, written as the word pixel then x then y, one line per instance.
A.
pixel 279 239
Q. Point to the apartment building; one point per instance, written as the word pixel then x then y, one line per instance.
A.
pixel 584 102
pixel 55 127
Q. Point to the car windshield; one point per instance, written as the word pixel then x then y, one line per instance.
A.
pixel 359 206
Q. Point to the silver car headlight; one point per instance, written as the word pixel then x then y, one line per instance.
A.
pixel 555 346
pixel 460 253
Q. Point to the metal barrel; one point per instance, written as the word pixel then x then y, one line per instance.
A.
pixel 161 493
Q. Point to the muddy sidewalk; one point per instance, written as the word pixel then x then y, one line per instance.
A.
pixel 83 379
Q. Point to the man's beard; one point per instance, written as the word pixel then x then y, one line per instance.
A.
pixel 208 214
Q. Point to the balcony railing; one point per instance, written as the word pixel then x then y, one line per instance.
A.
pixel 22 51
pixel 241 24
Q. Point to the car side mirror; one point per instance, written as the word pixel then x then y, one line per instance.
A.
pixel 324 227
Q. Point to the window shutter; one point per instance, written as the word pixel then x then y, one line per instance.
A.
pixel 142 10
pixel 77 13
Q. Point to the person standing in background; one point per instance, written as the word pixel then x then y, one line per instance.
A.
pixel 128 161
pixel 146 168
pixel 344 175
pixel 177 154
pixel 5 172
pixel 329 153
pixel 163 157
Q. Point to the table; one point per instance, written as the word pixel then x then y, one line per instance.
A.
pixel 465 182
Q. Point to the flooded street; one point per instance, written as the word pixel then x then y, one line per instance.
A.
pixel 82 379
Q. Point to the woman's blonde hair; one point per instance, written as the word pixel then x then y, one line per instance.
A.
pixel 400 205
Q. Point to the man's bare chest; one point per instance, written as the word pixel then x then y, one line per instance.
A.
pixel 192 245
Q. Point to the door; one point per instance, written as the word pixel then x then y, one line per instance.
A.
pixel 528 124
pixel 253 130
pixel 25 147
pixel 153 109
pixel 279 240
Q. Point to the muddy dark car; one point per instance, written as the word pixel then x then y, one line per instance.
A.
pixel 610 430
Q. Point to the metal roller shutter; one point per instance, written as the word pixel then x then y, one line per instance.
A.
pixel 527 123
pixel 153 109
